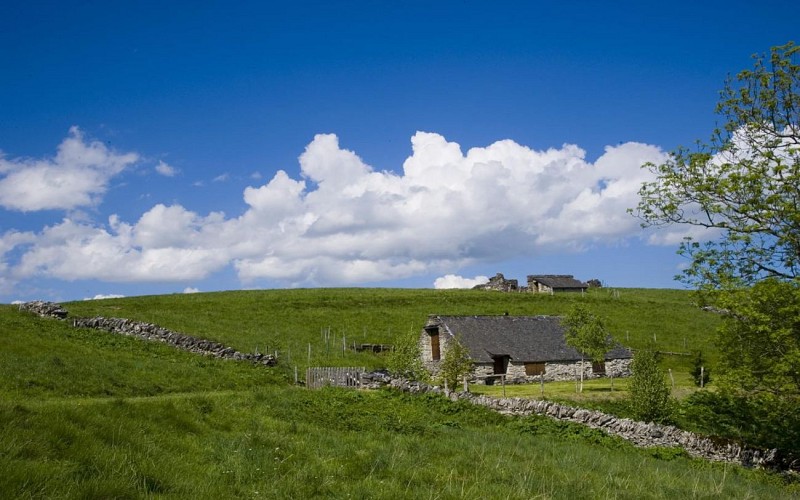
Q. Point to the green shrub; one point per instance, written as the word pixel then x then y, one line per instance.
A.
pixel 649 393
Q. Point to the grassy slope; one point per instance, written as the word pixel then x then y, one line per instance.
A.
pixel 290 320
pixel 87 414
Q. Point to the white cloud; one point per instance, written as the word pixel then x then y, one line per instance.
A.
pixel 454 281
pixel 166 170
pixel 191 289
pixel 108 296
pixel 341 222
pixel 222 177
pixel 77 176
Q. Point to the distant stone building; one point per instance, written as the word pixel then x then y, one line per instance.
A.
pixel 499 283
pixel 537 283
pixel 523 348
pixel 551 283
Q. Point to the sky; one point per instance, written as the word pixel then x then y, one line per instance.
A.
pixel 178 147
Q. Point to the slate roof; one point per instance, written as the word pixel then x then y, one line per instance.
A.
pixel 558 281
pixel 523 338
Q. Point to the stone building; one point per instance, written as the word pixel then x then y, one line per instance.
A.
pixel 499 283
pixel 523 348
pixel 552 283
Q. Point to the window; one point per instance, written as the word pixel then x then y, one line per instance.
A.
pixel 534 368
pixel 598 367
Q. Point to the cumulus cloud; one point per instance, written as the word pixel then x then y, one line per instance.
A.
pixel 166 170
pixel 108 296
pixel 191 289
pixel 454 281
pixel 342 222
pixel 77 176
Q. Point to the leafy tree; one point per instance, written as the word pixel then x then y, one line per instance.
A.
pixel 760 338
pixel 456 363
pixel 649 393
pixel 744 185
pixel 700 373
pixel 587 333
pixel 406 360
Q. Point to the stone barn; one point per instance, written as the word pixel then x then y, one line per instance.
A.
pixel 523 348
pixel 553 283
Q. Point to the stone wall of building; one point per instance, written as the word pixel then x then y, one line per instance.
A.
pixel 515 373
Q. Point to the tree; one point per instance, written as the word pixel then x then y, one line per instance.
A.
pixel 456 363
pixel 587 333
pixel 406 360
pixel 649 393
pixel 700 373
pixel 744 185
pixel 760 338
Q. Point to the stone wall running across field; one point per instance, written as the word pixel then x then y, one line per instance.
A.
pixel 642 434
pixel 149 331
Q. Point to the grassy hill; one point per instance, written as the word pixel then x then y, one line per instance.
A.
pixel 290 320
pixel 86 414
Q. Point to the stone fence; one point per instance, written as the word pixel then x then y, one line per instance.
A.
pixel 149 331
pixel 641 434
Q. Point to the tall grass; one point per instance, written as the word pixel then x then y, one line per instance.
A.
pixel 86 414
pixel 282 442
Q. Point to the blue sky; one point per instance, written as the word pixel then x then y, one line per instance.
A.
pixel 164 147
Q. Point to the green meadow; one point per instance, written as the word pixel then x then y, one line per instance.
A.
pixel 87 414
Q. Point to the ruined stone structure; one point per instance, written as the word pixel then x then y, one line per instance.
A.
pixel 537 283
pixel 500 284
pixel 522 348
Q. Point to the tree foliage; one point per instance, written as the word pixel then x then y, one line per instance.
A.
pixel 406 360
pixel 649 393
pixel 760 338
pixel 456 363
pixel 744 185
pixel 587 333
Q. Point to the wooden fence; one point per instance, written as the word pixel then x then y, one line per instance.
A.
pixel 336 376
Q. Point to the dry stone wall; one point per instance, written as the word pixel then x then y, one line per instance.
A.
pixel 149 331
pixel 642 434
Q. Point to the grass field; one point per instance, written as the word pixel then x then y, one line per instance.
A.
pixel 86 414
pixel 290 320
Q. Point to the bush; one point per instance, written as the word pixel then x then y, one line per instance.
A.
pixel 406 361
pixel 456 363
pixel 649 393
